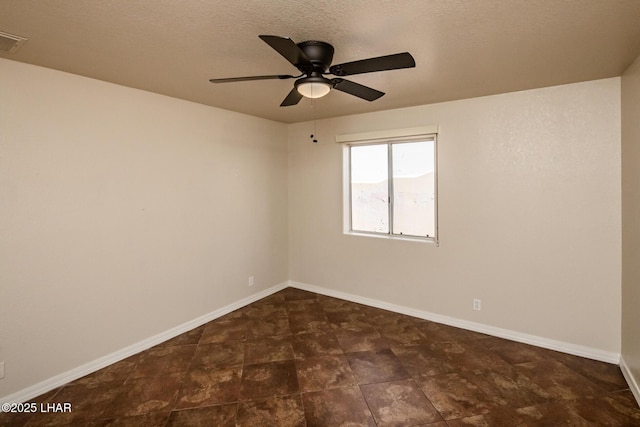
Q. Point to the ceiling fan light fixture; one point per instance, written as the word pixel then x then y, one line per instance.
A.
pixel 313 87
pixel 313 59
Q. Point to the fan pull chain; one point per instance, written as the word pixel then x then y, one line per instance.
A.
pixel 313 136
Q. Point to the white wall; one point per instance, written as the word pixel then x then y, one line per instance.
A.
pixel 631 223
pixel 529 214
pixel 124 214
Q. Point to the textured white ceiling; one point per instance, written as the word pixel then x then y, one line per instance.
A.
pixel 462 48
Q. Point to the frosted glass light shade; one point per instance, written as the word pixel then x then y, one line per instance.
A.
pixel 313 89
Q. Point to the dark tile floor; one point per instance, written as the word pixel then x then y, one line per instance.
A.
pixel 300 359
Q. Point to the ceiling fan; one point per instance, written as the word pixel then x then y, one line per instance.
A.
pixel 313 59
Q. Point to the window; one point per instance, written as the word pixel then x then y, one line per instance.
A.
pixel 392 187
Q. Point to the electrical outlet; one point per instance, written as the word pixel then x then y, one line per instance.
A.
pixel 2 370
pixel 477 304
pixel 250 280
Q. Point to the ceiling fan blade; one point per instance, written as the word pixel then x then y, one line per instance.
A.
pixel 246 79
pixel 292 99
pixel 380 63
pixel 356 89
pixel 291 52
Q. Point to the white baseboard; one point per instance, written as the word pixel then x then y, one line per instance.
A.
pixel 577 350
pixel 73 374
pixel 79 372
pixel 631 379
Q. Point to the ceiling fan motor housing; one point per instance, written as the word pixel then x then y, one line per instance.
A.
pixel 319 53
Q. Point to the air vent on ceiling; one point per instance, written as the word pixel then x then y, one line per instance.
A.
pixel 10 42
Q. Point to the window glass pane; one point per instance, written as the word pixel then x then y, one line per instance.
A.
pixel 413 188
pixel 369 188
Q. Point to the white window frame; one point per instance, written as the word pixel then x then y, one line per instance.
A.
pixel 386 137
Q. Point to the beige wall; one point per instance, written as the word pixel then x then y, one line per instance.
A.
pixel 529 214
pixel 124 214
pixel 631 221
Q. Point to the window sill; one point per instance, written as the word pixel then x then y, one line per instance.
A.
pixel 431 240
